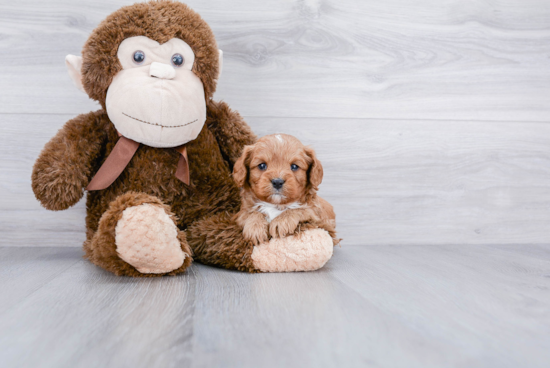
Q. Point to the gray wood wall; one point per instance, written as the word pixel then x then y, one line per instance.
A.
pixel 431 117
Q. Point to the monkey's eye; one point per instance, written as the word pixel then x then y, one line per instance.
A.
pixel 177 60
pixel 262 166
pixel 294 167
pixel 139 56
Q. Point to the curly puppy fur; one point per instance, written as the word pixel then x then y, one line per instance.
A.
pixel 71 158
pixel 279 178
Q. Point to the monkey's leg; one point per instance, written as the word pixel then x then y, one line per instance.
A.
pixel 218 241
pixel 138 236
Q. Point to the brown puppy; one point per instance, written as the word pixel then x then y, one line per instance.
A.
pixel 279 179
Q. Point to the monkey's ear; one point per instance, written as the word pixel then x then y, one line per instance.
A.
pixel 74 66
pixel 220 64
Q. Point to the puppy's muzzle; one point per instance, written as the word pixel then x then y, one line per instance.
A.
pixel 277 183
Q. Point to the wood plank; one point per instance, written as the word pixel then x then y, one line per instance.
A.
pixel 395 59
pixel 23 271
pixel 391 182
pixel 493 299
pixel 389 306
pixel 88 317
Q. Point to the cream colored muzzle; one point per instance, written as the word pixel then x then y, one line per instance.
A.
pixel 162 71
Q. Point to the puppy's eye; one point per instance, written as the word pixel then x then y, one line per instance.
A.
pixel 262 166
pixel 294 167
pixel 139 56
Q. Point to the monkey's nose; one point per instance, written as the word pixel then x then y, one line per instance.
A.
pixel 277 183
pixel 162 71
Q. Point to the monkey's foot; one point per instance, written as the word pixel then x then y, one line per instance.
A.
pixel 147 238
pixel 308 251
pixel 137 236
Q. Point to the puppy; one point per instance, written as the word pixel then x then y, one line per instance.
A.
pixel 279 178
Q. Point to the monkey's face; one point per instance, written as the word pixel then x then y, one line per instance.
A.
pixel 156 99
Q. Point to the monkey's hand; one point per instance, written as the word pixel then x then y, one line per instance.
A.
pixel 64 166
pixel 55 187
pixel 255 228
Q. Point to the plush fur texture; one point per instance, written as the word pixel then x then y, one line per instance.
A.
pixel 218 241
pixel 279 178
pixel 100 245
pixel 159 21
pixel 147 238
pixel 306 252
pixel 71 158
pixel 202 211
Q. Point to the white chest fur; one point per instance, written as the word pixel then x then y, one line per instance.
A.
pixel 271 211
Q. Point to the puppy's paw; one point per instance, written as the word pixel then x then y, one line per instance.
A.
pixel 256 231
pixel 283 226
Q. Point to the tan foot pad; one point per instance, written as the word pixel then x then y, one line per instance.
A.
pixel 307 252
pixel 147 238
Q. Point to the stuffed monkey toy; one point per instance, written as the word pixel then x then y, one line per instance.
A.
pixel 156 159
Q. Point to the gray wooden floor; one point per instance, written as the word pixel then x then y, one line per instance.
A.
pixel 378 306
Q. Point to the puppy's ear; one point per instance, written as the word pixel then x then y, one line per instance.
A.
pixel 240 169
pixel 315 171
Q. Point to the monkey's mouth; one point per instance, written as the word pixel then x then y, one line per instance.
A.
pixel 160 125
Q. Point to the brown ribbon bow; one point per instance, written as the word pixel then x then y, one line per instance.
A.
pixel 119 158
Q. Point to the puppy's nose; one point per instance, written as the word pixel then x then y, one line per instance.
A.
pixel 277 183
pixel 162 71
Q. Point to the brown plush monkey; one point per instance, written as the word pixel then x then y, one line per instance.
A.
pixel 157 158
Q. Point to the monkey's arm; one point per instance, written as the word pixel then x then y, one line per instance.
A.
pixel 230 130
pixel 65 164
